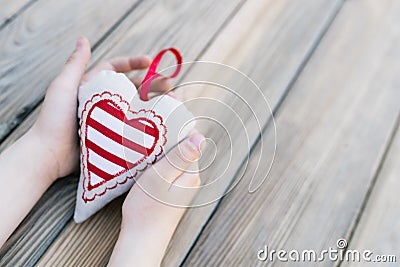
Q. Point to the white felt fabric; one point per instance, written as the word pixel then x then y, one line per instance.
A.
pixel 166 114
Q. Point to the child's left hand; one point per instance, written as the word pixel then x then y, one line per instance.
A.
pixel 56 129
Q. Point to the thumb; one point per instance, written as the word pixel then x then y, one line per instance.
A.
pixel 73 70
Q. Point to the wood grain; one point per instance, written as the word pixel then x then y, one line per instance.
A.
pixel 10 9
pixel 21 129
pixel 88 244
pixel 377 230
pixel 333 129
pixel 36 44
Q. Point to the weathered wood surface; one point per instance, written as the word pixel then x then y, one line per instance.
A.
pixel 333 130
pixel 330 143
pixel 378 229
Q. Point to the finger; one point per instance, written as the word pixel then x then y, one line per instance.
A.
pixel 73 70
pixel 136 81
pixel 121 64
pixel 159 85
pixel 180 158
pixel 125 64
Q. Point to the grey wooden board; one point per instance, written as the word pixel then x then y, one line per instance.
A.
pixel 333 129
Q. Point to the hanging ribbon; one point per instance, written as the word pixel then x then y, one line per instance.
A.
pixel 153 74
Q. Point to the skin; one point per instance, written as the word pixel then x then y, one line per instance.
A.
pixel 50 149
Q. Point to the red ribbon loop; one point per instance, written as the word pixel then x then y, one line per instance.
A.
pixel 153 74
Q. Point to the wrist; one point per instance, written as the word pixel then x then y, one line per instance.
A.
pixel 34 145
pixel 137 247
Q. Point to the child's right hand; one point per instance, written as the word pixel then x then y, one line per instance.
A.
pixel 149 221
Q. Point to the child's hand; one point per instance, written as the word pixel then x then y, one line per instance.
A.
pixel 56 129
pixel 148 224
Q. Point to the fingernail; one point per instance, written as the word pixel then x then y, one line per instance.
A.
pixel 148 59
pixel 171 94
pixel 79 43
pixel 190 148
pixel 196 140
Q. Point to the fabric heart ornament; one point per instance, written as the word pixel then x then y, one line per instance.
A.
pixel 120 136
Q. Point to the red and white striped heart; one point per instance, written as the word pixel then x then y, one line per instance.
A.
pixel 116 142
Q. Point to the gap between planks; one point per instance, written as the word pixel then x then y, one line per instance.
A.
pixel 375 196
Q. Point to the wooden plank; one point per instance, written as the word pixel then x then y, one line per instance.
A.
pixel 10 9
pixel 89 244
pixel 22 128
pixel 133 33
pixel 377 230
pixel 35 45
pixel 333 129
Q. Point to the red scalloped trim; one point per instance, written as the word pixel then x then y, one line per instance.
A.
pixel 85 113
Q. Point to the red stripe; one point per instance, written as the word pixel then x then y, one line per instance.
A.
pixel 107 155
pixel 99 172
pixel 118 138
pixel 135 123
pixel 111 109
